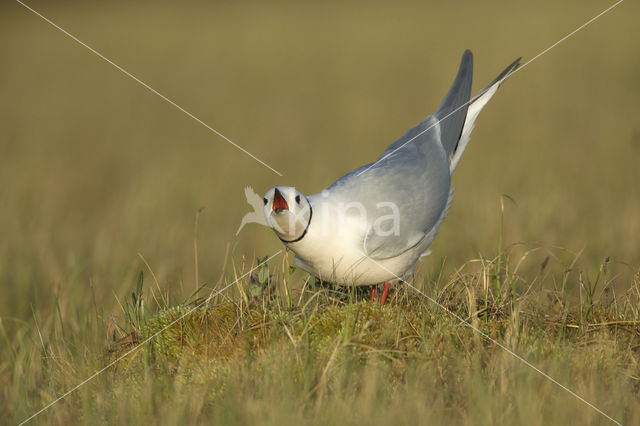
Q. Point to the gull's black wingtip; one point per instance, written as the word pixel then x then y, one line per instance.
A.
pixel 509 70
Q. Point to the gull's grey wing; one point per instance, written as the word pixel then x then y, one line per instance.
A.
pixel 411 183
pixel 450 114
pixel 414 173
pixel 453 108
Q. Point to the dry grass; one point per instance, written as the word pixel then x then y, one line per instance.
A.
pixel 101 180
pixel 263 352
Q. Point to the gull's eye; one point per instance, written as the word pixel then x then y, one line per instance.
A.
pixel 298 199
pixel 265 201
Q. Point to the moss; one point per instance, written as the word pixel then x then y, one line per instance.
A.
pixel 201 343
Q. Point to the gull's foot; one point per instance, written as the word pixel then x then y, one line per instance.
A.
pixel 373 293
pixel 385 292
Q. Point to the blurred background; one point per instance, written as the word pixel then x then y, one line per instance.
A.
pixel 95 169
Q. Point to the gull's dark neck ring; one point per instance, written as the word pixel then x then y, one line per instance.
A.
pixel 303 232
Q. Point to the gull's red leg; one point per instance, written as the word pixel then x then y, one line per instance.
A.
pixel 373 294
pixel 385 292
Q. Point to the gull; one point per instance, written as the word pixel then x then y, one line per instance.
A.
pixel 373 224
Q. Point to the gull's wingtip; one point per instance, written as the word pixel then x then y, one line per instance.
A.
pixel 510 69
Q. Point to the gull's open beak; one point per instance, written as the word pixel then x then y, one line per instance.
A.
pixel 279 203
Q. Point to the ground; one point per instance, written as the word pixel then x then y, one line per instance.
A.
pixel 486 345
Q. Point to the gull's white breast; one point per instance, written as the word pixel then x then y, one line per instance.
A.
pixel 333 249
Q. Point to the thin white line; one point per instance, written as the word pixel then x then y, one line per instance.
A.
pixel 569 35
pixel 506 77
pixel 140 345
pixel 495 342
pixel 133 77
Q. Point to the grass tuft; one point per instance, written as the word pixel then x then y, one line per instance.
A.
pixel 334 346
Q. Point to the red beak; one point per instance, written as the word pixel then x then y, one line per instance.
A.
pixel 279 203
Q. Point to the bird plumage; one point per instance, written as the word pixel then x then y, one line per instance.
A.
pixel 410 180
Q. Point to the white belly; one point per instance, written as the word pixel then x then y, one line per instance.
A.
pixel 339 257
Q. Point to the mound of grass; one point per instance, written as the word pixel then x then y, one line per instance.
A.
pixel 277 347
pixel 331 355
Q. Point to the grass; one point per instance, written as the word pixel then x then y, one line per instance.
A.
pixel 261 352
pixel 101 181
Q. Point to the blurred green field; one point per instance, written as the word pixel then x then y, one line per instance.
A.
pixel 96 170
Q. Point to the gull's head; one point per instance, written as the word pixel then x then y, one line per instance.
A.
pixel 287 212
